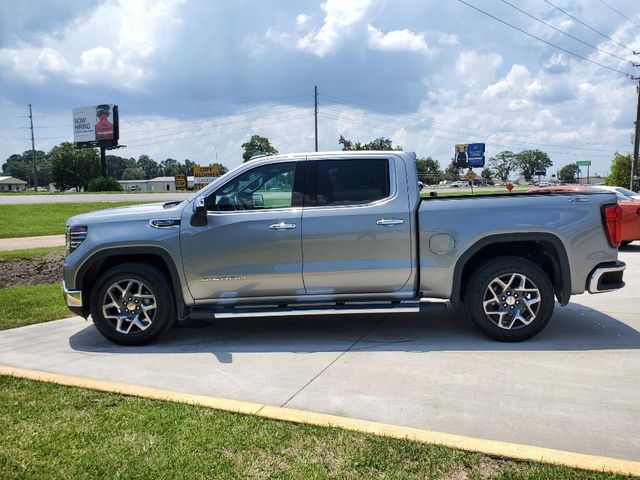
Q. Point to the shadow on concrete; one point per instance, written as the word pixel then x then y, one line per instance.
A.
pixel 577 328
pixel 632 247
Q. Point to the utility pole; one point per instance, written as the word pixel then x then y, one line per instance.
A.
pixel 315 111
pixel 33 153
pixel 636 143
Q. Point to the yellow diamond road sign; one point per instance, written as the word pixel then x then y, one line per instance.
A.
pixel 470 175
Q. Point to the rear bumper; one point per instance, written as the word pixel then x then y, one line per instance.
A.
pixel 73 298
pixel 606 277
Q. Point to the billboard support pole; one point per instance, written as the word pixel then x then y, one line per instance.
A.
pixel 103 162
pixel 33 153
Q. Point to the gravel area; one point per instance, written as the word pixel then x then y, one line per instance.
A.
pixel 47 269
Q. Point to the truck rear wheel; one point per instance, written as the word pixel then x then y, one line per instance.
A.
pixel 510 299
pixel 132 304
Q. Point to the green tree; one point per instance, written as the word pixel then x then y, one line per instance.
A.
pixel 429 170
pixel 452 172
pixel 257 145
pixel 620 175
pixel 117 165
pixel 21 166
pixel 377 144
pixel 487 173
pixel 530 161
pixel 188 167
pixel 133 173
pixel 503 164
pixel 568 173
pixel 72 167
pixel 102 184
pixel 149 166
pixel 171 167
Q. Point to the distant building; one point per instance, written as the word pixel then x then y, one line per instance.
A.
pixel 12 184
pixel 158 184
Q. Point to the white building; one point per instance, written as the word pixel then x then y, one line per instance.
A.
pixel 158 184
pixel 12 184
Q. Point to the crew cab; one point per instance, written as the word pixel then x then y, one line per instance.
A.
pixel 338 233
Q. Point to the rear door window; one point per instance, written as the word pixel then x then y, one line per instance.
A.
pixel 351 182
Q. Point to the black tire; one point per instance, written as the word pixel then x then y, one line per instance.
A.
pixel 161 318
pixel 519 321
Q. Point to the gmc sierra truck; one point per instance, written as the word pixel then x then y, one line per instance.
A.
pixel 338 233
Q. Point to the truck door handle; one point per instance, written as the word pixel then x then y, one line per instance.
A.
pixel 282 226
pixel 390 222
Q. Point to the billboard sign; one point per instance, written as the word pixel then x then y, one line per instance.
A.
pixel 583 163
pixel 96 125
pixel 475 153
pixel 181 181
pixel 469 155
pixel 205 175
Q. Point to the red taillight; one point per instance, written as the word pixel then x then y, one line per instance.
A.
pixel 612 218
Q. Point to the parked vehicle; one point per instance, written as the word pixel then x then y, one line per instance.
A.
pixel 621 190
pixel 630 228
pixel 370 243
pixel 459 183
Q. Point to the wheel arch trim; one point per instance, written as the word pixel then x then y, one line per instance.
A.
pixel 562 270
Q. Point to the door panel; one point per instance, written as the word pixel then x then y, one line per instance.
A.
pixel 251 245
pixel 357 248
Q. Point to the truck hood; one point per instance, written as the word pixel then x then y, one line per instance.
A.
pixel 146 211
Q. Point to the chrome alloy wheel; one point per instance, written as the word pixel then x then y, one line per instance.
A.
pixel 130 305
pixel 511 301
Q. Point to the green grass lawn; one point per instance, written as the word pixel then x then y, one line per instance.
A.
pixel 44 218
pixel 27 254
pixel 21 306
pixel 51 431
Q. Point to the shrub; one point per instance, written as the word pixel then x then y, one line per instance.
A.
pixel 102 184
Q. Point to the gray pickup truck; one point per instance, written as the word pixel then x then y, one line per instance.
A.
pixel 338 233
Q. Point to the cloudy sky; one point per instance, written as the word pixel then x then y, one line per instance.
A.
pixel 196 78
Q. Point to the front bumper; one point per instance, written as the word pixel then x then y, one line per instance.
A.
pixel 73 299
pixel 606 277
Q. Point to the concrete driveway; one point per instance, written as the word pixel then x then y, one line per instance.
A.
pixel 574 387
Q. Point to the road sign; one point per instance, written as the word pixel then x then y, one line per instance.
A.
pixel 471 175
pixel 583 163
pixel 181 181
pixel 509 187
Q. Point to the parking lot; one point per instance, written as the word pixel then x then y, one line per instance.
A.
pixel 574 387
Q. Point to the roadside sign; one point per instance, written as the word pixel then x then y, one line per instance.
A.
pixel 509 187
pixel 471 175
pixel 475 152
pixel 181 181
pixel 583 163
pixel 461 158
pixel 205 175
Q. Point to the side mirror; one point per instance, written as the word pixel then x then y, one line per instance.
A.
pixel 199 217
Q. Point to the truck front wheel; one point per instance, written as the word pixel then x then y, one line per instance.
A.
pixel 510 299
pixel 132 304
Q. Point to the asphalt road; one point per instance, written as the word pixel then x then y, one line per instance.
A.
pixel 93 197
pixel 573 387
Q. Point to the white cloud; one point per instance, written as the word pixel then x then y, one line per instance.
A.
pixel 301 20
pixel 397 40
pixel 519 75
pixel 340 16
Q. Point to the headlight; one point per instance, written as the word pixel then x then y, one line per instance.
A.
pixel 74 237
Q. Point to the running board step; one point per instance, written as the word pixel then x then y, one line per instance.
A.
pixel 287 311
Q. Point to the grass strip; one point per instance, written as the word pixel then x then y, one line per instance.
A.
pixel 21 306
pixel 51 431
pixel 28 253
pixel 45 218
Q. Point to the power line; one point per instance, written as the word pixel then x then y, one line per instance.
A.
pixel 567 34
pixel 590 27
pixel 619 13
pixel 545 41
